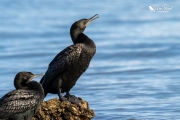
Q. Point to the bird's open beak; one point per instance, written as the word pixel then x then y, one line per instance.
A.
pixel 92 19
pixel 36 75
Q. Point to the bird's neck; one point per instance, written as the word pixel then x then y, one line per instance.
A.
pixel 74 34
pixel 34 86
pixel 82 38
pixel 19 84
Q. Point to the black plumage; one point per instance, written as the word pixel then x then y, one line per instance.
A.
pixel 22 103
pixel 65 69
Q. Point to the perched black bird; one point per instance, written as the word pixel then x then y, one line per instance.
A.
pixel 22 103
pixel 65 69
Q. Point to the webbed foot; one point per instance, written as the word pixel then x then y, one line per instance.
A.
pixel 73 99
pixel 61 98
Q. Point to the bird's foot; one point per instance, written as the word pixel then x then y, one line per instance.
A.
pixel 73 99
pixel 63 98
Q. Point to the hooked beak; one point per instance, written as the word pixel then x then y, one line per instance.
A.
pixel 92 19
pixel 36 75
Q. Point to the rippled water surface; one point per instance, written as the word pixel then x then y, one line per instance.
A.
pixel 136 70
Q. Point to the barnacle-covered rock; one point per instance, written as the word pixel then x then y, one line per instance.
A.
pixel 56 110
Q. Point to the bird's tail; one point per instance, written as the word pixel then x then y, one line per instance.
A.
pixel 41 81
pixel 45 93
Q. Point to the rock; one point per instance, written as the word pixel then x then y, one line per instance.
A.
pixel 56 110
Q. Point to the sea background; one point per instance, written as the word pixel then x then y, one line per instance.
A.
pixel 135 73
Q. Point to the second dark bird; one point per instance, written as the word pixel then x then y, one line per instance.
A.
pixel 67 66
pixel 22 103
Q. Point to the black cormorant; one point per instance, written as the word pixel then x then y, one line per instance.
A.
pixel 65 69
pixel 22 103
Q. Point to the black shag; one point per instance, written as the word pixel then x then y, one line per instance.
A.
pixel 22 103
pixel 65 69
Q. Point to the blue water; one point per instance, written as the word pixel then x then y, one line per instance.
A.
pixel 135 73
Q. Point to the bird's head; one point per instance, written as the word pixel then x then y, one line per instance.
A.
pixel 23 78
pixel 80 25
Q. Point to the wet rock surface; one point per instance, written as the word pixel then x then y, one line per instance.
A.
pixel 56 110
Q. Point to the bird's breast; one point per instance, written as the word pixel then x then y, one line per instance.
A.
pixel 79 66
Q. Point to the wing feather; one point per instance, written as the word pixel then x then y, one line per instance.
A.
pixel 18 101
pixel 62 60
